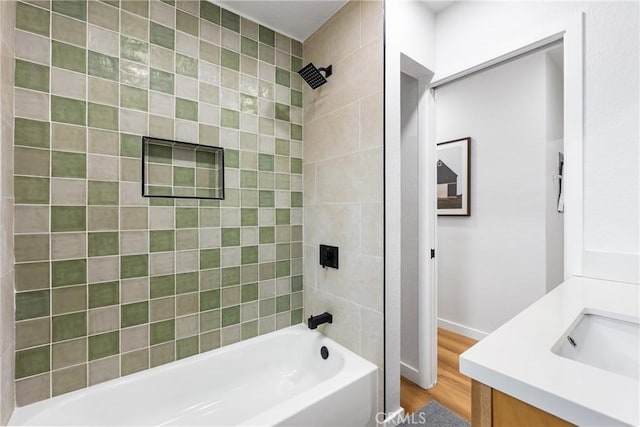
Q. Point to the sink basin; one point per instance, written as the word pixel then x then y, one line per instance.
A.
pixel 603 341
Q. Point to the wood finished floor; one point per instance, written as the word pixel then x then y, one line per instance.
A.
pixel 453 389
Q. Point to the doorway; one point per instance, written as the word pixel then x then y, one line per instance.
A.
pixel 513 114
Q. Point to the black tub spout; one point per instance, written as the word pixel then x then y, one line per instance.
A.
pixel 315 321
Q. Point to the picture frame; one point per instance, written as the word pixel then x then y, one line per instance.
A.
pixel 453 164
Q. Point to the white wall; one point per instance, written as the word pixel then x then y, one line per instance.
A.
pixel 491 264
pixel 409 302
pixel 409 30
pixel 469 33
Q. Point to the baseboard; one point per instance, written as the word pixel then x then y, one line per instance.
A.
pixel 409 372
pixel 393 418
pixel 461 329
pixel 618 267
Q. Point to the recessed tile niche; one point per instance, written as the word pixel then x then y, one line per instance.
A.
pixel 181 170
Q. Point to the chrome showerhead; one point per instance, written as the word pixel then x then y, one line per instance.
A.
pixel 312 75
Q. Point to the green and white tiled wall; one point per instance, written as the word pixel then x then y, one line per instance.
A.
pixel 108 282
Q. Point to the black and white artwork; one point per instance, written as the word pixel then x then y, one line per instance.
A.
pixel 453 177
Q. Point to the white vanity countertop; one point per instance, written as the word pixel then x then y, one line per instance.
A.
pixel 517 358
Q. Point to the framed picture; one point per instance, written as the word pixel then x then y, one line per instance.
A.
pixel 454 179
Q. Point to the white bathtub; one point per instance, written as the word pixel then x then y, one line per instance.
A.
pixel 275 379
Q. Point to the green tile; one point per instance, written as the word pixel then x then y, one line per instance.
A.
pixel 31 190
pixel 296 283
pixel 161 240
pixel 186 217
pixel 249 47
pixel 283 77
pixel 283 112
pixel 248 104
pixel 230 237
pixel 134 49
pixel 249 329
pixel 30 305
pixel 68 165
pixel 31 247
pixel 186 347
pixel 229 118
pixel 31 161
pixel 266 199
pixel 32 76
pixel 209 11
pixel 230 20
pixel 33 361
pixel 267 306
pixel 34 275
pixel 248 179
pixel 159 153
pixel 296 165
pixel 69 57
pixel 103 66
pixel 296 65
pixel 296 199
pixel 249 255
pixel 104 294
pixel 69 272
pixel 231 158
pixel 267 54
pixel 131 97
pixel 68 110
pixel 136 6
pixel 230 316
pixel 69 326
pixel 283 303
pixel 31 133
pixel 104 345
pixel 265 162
pixel 130 146
pixel 283 268
pixel 209 258
pixel 283 217
pixel 187 282
pixel 161 81
pixel 186 109
pixel 186 66
pixel 104 116
pixel 134 266
pixel 230 59
pixel 296 133
pixel 103 193
pixel 68 218
pixel 296 48
pixel 230 276
pixel 101 244
pixel 267 235
pixel 206 159
pixel 267 36
pixel 296 98
pixel 187 23
pixel 73 8
pixel 209 300
pixel 249 292
pixel 296 316
pixel 162 36
pixel 162 286
pixel 160 332
pixel 33 19
pixel 248 217
pixel 134 314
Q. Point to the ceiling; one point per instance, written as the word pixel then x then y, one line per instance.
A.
pixel 297 19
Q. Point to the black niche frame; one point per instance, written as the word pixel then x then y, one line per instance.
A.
pixel 146 140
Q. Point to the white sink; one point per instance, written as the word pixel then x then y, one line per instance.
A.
pixel 603 341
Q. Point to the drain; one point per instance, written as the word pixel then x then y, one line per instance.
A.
pixel 324 352
pixel 572 341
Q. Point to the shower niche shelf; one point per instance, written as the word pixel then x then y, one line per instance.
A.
pixel 181 170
